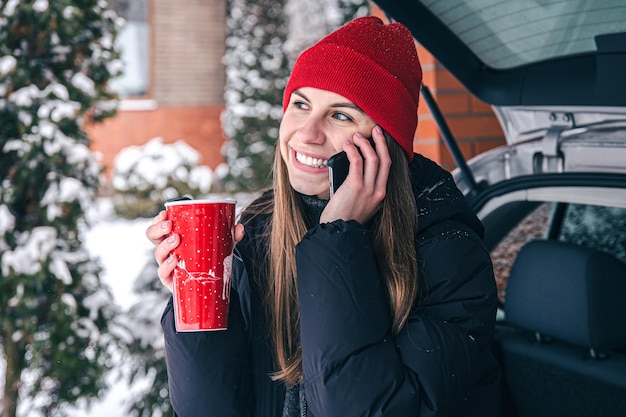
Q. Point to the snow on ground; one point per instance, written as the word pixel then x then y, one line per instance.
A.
pixel 122 247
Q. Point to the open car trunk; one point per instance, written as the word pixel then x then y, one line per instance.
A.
pixel 553 199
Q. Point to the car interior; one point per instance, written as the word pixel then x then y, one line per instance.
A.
pixel 559 347
pixel 561 274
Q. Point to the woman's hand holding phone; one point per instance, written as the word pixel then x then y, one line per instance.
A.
pixel 364 188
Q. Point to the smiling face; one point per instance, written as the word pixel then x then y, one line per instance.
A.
pixel 315 126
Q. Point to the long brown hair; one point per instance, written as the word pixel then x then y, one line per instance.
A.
pixel 393 228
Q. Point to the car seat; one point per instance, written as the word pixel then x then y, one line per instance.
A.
pixel 563 346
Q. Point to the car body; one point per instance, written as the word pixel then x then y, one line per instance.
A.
pixel 553 72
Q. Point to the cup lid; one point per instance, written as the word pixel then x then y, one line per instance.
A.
pixel 201 201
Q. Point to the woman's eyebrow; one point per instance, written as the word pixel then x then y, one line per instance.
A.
pixel 349 105
pixel 298 93
pixel 335 105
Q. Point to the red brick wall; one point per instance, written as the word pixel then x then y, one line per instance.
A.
pixel 471 121
pixel 199 126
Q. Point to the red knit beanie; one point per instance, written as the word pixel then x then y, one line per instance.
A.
pixel 371 64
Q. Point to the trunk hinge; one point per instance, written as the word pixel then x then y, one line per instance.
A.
pixel 550 159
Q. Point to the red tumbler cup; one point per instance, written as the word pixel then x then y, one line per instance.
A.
pixel 202 274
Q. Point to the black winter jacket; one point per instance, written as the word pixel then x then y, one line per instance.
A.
pixel 440 364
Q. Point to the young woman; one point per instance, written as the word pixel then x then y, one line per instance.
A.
pixel 379 301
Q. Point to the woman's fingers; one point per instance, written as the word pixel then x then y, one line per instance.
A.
pixel 159 228
pixel 383 163
pixel 376 164
pixel 163 249
pixel 166 259
pixel 159 234
pixel 365 188
pixel 165 271
pixel 238 233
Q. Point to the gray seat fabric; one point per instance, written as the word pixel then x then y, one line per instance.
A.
pixel 563 349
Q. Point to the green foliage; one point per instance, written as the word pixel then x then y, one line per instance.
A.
pixel 256 74
pixel 54 70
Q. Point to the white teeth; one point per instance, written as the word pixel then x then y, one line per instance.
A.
pixel 312 162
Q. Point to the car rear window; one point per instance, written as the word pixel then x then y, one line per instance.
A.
pixel 506 34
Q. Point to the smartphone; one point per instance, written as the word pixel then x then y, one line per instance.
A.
pixel 338 167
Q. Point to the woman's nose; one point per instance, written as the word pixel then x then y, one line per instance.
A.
pixel 310 132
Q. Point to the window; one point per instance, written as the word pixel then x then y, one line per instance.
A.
pixel 596 227
pixel 134 43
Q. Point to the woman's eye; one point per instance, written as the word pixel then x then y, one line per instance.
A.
pixel 300 105
pixel 342 117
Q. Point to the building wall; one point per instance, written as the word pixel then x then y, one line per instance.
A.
pixel 199 126
pixel 187 78
pixel 188 48
pixel 471 121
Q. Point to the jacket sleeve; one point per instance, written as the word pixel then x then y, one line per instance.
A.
pixel 209 372
pixel 352 366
